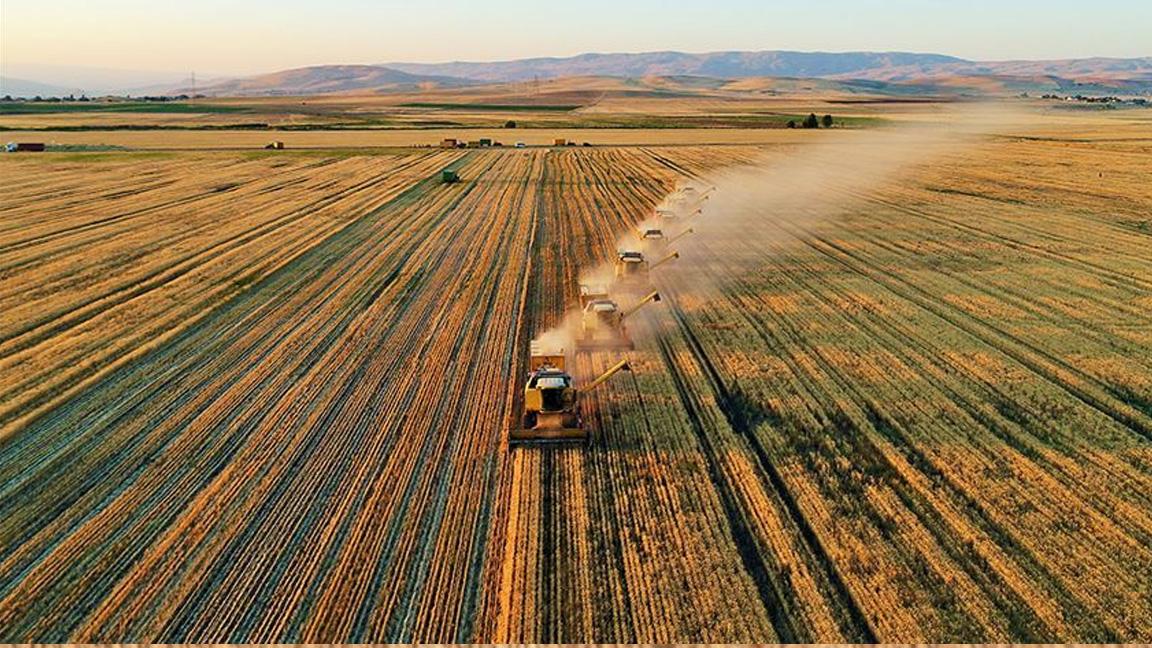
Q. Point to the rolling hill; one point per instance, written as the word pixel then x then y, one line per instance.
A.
pixel 325 79
pixel 875 72
pixel 24 88
pixel 879 66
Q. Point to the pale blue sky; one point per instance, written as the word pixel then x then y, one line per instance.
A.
pixel 231 36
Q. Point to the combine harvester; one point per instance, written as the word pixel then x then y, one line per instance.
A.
pixel 682 204
pixel 602 324
pixel 552 400
pixel 655 239
pixel 551 397
pixel 632 271
pixel 653 236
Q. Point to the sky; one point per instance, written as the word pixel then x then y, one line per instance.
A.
pixel 232 37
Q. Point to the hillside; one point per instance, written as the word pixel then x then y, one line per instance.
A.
pixel 714 64
pixel 883 66
pixel 894 73
pixel 25 88
pixel 324 79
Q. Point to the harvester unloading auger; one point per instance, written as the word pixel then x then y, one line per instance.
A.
pixel 552 400
pixel 603 326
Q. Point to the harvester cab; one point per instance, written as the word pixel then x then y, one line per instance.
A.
pixel 552 401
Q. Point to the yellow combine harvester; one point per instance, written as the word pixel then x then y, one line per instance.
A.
pixel 602 326
pixel 652 236
pixel 655 239
pixel 682 204
pixel 632 270
pixel 552 400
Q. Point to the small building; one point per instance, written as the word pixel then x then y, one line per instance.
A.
pixel 18 147
pixel 448 142
pixel 485 141
pixel 275 146
pixel 474 144
pixel 560 141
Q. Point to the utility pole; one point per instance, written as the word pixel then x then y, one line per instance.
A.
pixel 193 97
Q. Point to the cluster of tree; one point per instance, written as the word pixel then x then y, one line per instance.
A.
pixel 39 99
pixel 812 121
pixel 85 98
pixel 1092 99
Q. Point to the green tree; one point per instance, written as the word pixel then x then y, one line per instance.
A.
pixel 510 124
pixel 811 121
pixel 827 121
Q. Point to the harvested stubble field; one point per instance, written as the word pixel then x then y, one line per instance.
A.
pixel 264 399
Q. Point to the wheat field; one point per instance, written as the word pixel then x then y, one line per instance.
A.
pixel 265 398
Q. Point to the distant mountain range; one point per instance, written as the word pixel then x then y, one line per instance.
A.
pixel 934 70
pixel 878 66
pixel 877 72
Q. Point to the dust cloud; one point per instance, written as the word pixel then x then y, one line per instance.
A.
pixel 786 196
pixel 743 213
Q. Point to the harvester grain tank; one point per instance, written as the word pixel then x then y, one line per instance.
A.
pixel 652 235
pixel 449 176
pixel 603 326
pixel 552 400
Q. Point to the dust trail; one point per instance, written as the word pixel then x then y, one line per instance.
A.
pixel 758 207
pixel 747 211
pixel 560 339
